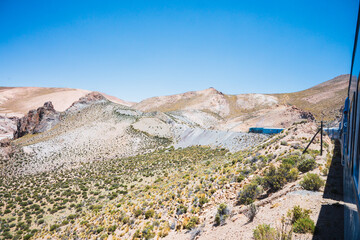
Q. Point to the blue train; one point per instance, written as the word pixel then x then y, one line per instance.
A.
pixel 265 130
pixel 350 147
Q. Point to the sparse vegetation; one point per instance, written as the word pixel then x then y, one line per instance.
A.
pixel 138 197
pixel 307 165
pixel 249 193
pixel 222 214
pixel 312 182
pixel 300 218
pixel 251 212
pixel 264 232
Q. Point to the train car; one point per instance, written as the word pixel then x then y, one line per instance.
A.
pixel 350 144
pixel 265 130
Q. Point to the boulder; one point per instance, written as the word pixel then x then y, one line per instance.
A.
pixel 37 121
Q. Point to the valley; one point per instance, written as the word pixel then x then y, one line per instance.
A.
pixel 174 167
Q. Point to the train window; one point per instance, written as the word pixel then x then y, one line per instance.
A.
pixel 350 130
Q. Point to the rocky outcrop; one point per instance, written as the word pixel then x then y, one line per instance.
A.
pixel 85 101
pixel 8 126
pixel 39 120
pixel 304 114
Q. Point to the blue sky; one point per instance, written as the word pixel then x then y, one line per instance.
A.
pixel 139 49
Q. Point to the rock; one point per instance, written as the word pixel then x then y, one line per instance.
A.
pixel 87 100
pixel 8 126
pixel 304 114
pixel 37 121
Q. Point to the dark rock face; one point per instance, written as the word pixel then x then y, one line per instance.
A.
pixel 37 121
pixel 304 114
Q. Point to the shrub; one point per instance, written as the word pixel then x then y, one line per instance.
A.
pixel 239 178
pixel 307 165
pixel 222 214
pixel 28 236
pixel 312 182
pixel 202 201
pixel 264 232
pixel 99 229
pixel 149 213
pixel 297 212
pixel 304 225
pixel 147 232
pixel 181 209
pixel 293 174
pixel 192 223
pixel 54 227
pixel 300 218
pixel 137 212
pixel 249 193
pixel 251 212
pixel 275 179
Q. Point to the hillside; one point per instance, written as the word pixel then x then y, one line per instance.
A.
pixel 94 128
pixel 323 100
pixel 17 101
pixel 169 193
pixel 102 170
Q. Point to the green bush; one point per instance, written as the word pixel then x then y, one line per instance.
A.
pixel 28 236
pixel 192 223
pixel 99 229
pixel 251 212
pixel 312 182
pixel 290 159
pixel 307 165
pixel 275 179
pixel 112 228
pixel 249 193
pixel 239 178
pixel 202 201
pixel 300 218
pixel 147 232
pixel 54 227
pixel 264 232
pixel 222 214
pixel 304 225
pixel 292 175
pixel 181 209
pixel 138 212
pixel 149 213
pixel 297 212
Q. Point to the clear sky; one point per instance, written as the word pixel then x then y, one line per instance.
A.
pixel 139 49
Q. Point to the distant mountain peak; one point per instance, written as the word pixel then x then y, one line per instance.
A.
pixel 212 90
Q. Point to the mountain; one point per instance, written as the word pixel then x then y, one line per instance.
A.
pixel 94 128
pixel 96 169
pixel 323 101
pixel 17 101
pixel 215 110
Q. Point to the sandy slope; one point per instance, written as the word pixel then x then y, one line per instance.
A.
pixel 17 101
